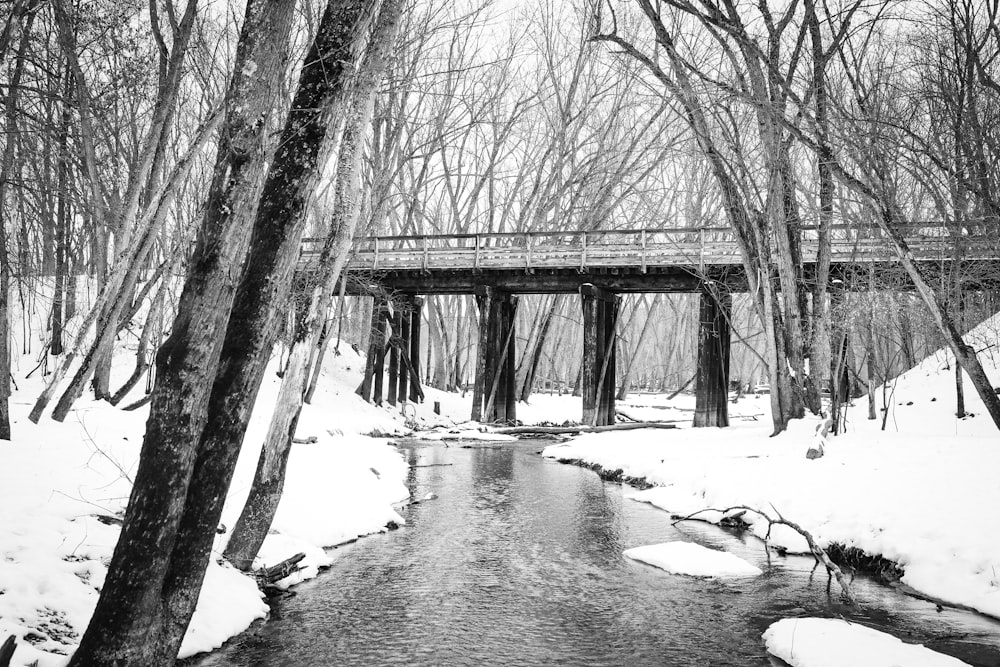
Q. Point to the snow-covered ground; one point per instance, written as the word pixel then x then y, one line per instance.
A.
pixel 56 479
pixel 921 493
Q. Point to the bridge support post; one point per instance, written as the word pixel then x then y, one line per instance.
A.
pixel 379 342
pixel 494 398
pixel 376 338
pixel 394 343
pixel 600 340
pixel 416 308
pixel 712 378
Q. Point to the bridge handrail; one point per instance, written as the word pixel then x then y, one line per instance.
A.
pixel 668 231
pixel 698 245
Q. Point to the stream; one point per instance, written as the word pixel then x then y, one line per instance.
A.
pixel 518 561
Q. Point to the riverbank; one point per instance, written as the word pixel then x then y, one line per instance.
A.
pixel 63 490
pixel 919 494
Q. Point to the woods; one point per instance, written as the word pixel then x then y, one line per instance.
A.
pixel 163 162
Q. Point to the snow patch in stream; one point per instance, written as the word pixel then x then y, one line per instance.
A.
pixel 831 642
pixel 693 559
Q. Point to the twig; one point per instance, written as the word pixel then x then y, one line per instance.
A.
pixel 818 553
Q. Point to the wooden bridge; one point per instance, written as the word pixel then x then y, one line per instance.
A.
pixel 657 260
pixel 600 265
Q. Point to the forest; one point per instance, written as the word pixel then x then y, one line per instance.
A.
pixel 163 162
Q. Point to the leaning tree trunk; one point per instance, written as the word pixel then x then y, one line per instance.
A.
pixel 528 381
pixel 264 288
pixel 647 329
pixel 265 493
pixel 130 626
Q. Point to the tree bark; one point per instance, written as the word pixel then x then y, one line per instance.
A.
pixel 133 623
pixel 265 493
pixel 305 143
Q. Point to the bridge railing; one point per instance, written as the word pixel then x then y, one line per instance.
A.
pixel 642 248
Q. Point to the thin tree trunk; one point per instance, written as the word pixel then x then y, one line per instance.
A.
pixel 265 493
pixel 647 329
pixel 10 127
pixel 535 357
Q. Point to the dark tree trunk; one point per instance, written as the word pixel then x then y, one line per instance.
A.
pixel 264 288
pixel 134 623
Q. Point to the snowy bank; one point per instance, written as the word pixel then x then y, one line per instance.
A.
pixel 825 642
pixel 919 494
pixel 63 486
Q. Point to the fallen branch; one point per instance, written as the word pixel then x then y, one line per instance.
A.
pixel 268 575
pixel 818 553
pixel 682 388
pixel 513 430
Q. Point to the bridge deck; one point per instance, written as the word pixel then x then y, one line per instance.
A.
pixel 626 260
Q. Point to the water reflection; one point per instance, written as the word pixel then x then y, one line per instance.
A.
pixel 519 562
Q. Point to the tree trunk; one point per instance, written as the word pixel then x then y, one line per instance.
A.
pixel 133 623
pixel 265 493
pixel 647 329
pixel 10 127
pixel 265 285
pixel 533 360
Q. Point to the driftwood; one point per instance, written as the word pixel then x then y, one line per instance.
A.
pixel 7 651
pixel 514 430
pixel 624 413
pixel 268 575
pixel 818 553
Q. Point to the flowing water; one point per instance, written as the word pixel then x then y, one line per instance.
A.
pixel 518 561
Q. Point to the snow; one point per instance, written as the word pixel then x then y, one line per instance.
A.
pixel 693 560
pixel 55 478
pixel 921 493
pixel 825 642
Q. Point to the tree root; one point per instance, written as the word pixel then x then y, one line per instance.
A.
pixel 818 553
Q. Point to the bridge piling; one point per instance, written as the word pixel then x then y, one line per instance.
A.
pixel 600 315
pixel 378 336
pixel 712 377
pixel 494 397
pixel 416 310
pixel 394 345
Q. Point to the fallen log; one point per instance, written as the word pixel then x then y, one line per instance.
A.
pixel 558 430
pixel 266 576
pixel 7 651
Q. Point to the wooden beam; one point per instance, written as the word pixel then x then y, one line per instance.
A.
pixel 397 318
pixel 416 393
pixel 712 380
pixel 379 369
pixel 404 350
pixel 588 387
pixel 484 302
